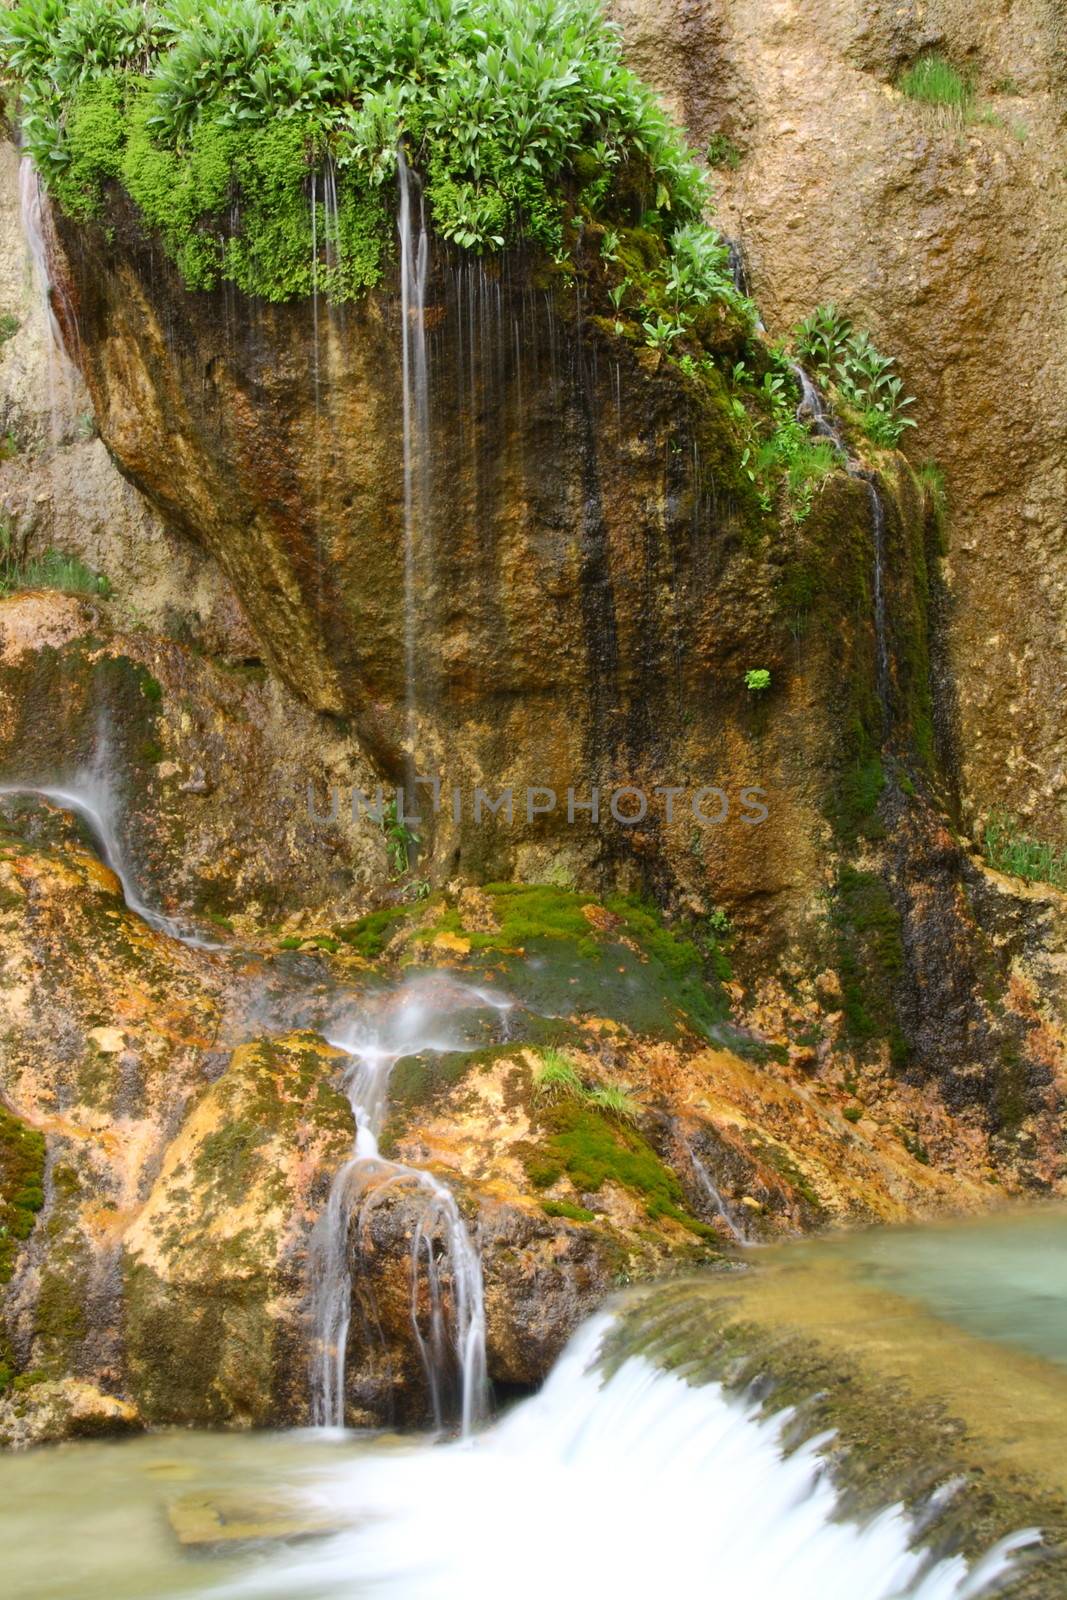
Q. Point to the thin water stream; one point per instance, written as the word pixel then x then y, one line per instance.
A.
pixel 90 796
pixel 426 1014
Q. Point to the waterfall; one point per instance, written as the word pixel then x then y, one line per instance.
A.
pixel 638 1483
pixel 32 205
pixel 452 1346
pixel 813 409
pixel 414 264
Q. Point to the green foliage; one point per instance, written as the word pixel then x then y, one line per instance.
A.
pixel 615 1101
pixel 401 842
pixel 757 680
pixel 49 571
pixel 779 448
pixel 1008 849
pixel 557 1078
pixel 931 480
pixel 221 121
pixel 852 1113
pixel 845 360
pixel 936 82
pixel 9 326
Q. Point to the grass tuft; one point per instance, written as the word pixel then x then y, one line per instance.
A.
pixel 934 81
pixel 49 571
pixel 1008 849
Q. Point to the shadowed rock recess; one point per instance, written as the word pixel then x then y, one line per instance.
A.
pixel 485 519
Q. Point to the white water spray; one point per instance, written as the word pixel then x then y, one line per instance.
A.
pixel 62 379
pixel 32 205
pixel 453 1343
pixel 638 1485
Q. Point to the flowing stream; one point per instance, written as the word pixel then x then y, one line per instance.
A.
pixel 625 1480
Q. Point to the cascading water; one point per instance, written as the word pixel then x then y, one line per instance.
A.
pixel 453 1345
pixel 414 267
pixel 61 375
pixel 712 1502
pixel 32 210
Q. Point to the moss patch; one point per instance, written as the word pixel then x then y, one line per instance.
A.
pixel 22 1155
pixel 870 960
pixel 564 952
pixel 591 1148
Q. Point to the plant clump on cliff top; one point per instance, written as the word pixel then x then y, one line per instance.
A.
pixel 246 131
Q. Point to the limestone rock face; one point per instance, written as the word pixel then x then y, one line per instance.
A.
pixel 578 596
pixel 201 765
pixel 215 1262
pixel 947 238
pixel 174 1130
pixel 49 1412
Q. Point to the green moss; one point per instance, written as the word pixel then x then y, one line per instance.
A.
pixel 94 144
pixel 563 1208
pixel 22 1156
pixel 870 960
pixel 592 1148
pixel 723 152
pixel 195 113
pixel 419 1080
pixel 370 934
pixel 228 1160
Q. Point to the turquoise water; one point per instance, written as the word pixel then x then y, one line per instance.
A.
pixel 1001 1278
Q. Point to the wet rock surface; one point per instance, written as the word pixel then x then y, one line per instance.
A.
pixel 944 235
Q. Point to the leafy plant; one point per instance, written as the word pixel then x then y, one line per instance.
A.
pixel 1008 849
pixel 401 842
pixel 9 326
pixel 757 680
pixel 661 332
pixel 502 106
pixel 845 359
